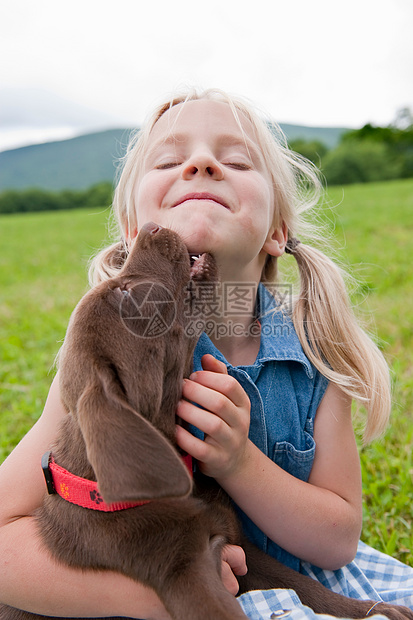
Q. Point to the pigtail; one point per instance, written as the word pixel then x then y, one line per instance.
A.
pixel 107 263
pixel 334 341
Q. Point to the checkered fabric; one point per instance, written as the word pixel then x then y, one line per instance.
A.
pixel 372 575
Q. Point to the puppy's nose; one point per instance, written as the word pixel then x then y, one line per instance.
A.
pixel 151 227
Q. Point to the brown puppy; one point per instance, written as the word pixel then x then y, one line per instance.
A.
pixel 126 352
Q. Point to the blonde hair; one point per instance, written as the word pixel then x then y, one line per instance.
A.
pixel 329 333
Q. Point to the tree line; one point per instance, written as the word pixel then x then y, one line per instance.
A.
pixel 35 199
pixel 365 155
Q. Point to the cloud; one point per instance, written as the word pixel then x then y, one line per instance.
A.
pixel 36 107
pixel 310 63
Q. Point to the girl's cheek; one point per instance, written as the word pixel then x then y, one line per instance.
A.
pixel 144 200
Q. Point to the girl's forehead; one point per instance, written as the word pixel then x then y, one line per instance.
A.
pixel 204 117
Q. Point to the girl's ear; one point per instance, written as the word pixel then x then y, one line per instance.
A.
pixel 276 240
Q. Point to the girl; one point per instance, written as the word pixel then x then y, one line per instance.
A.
pixel 269 401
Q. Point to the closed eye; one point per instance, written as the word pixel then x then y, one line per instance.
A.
pixel 230 164
pixel 167 165
pixel 238 165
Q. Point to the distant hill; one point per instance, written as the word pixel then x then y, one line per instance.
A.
pixel 330 136
pixel 86 160
pixel 77 163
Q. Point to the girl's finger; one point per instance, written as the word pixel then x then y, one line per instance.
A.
pixel 222 384
pixel 228 579
pixel 209 362
pixel 211 400
pixel 207 422
pixel 235 557
pixel 197 448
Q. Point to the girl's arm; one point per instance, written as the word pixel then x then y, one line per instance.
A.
pixel 319 520
pixel 30 579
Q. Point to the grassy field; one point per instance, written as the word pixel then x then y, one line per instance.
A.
pixel 43 261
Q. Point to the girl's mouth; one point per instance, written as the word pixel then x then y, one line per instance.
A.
pixel 201 196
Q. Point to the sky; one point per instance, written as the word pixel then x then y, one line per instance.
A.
pixel 82 65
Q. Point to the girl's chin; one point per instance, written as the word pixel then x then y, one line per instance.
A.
pixel 197 227
pixel 198 239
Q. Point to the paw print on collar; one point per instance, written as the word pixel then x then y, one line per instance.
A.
pixel 96 497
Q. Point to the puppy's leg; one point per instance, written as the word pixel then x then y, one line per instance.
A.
pixel 266 573
pixel 196 591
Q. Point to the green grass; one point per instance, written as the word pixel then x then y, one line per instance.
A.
pixel 43 261
pixel 375 222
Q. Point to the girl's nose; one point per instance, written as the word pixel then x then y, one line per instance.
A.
pixel 203 164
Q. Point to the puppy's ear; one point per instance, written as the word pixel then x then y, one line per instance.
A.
pixel 132 460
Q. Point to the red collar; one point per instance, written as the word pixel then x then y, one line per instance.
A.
pixel 83 492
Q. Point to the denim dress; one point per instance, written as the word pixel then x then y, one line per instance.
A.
pixel 285 391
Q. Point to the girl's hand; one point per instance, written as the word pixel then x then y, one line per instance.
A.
pixel 233 563
pixel 221 412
